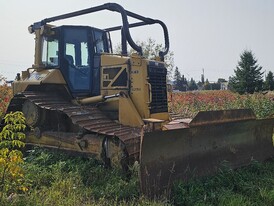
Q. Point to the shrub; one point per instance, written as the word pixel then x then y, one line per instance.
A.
pixel 11 158
pixel 5 96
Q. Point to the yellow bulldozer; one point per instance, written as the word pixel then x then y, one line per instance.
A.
pixel 79 96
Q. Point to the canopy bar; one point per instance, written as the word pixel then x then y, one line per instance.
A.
pixel 126 37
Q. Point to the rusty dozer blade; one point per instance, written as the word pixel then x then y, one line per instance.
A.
pixel 210 140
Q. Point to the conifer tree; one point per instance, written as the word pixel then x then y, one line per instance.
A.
pixel 269 81
pixel 248 76
pixel 177 79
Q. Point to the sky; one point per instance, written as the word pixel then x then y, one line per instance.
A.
pixel 204 34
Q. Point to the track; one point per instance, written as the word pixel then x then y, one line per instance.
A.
pixel 89 118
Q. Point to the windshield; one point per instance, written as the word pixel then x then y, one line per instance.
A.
pixel 50 52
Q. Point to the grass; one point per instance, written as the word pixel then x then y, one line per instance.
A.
pixel 252 185
pixel 54 178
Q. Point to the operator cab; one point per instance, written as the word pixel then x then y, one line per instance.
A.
pixel 76 50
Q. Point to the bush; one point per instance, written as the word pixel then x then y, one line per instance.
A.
pixel 5 96
pixel 11 158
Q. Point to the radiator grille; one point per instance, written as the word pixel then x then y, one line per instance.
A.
pixel 157 78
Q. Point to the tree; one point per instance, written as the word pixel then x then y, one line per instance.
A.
pixel 177 78
pixel 200 85
pixel 151 51
pixel 184 84
pixel 192 85
pixel 269 81
pixel 221 80
pixel 248 76
pixel 11 158
pixel 203 78
pixel 180 82
pixel 206 85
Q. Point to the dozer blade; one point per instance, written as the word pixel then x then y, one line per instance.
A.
pixel 213 139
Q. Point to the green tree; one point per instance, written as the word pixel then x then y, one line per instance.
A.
pixel 207 85
pixel 192 85
pixel 180 82
pixel 151 51
pixel 221 80
pixel 177 79
pixel 248 76
pixel 269 81
pixel 202 78
pixel 11 158
pixel 184 84
pixel 200 85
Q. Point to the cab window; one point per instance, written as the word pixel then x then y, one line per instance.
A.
pixel 50 52
pixel 100 45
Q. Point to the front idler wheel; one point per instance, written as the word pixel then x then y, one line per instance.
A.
pixel 33 114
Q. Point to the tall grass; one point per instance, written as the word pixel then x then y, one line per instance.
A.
pixel 252 185
pixel 55 178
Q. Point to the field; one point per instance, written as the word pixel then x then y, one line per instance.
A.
pixel 54 178
pixel 188 104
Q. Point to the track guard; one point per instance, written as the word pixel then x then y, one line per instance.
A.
pixel 201 149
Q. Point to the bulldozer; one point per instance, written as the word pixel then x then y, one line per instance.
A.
pixel 79 96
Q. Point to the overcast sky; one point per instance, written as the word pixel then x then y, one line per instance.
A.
pixel 204 34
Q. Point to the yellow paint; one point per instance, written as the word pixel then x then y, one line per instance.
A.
pixel 39 33
pixel 54 76
pixel 163 116
pixel 37 77
pixel 136 106
pixel 68 141
pixel 139 88
pixel 128 115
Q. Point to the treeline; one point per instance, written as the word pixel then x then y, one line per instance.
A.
pixel 182 84
pixel 248 78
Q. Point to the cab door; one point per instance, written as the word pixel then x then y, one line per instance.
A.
pixel 77 60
